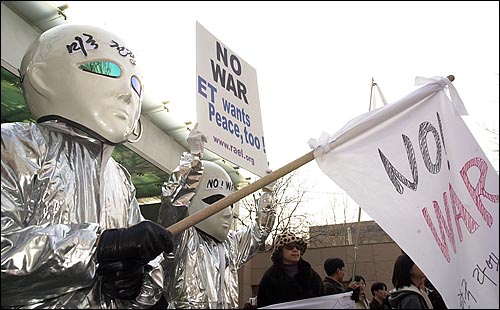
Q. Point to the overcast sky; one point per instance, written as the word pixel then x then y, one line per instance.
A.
pixel 315 62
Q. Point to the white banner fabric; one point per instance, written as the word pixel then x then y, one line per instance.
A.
pixel 337 301
pixel 416 169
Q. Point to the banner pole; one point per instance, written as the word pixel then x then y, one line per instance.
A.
pixel 358 230
pixel 356 243
pixel 199 216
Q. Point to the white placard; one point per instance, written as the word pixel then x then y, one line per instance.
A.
pixel 227 104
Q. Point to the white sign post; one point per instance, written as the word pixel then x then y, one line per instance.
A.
pixel 227 104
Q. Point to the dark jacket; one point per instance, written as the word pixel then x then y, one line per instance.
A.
pixel 277 287
pixel 436 298
pixel 374 304
pixel 408 297
pixel 332 286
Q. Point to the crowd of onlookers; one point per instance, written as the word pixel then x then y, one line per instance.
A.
pixel 292 278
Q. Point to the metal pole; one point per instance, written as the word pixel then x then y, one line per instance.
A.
pixel 358 230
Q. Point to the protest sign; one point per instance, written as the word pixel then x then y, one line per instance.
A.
pixel 227 104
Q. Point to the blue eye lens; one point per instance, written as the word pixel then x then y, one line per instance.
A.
pixel 106 68
pixel 136 85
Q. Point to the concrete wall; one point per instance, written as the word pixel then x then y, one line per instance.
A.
pixel 333 235
pixel 375 263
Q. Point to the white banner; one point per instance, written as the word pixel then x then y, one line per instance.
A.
pixel 337 301
pixel 416 169
pixel 227 104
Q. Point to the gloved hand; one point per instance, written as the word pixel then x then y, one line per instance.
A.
pixel 142 242
pixel 355 294
pixel 196 141
pixel 121 279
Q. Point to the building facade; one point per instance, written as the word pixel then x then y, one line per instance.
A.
pixel 376 254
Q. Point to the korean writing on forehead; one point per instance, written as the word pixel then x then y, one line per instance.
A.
pixel 82 44
pixel 123 51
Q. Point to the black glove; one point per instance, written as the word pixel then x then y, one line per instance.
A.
pixel 355 294
pixel 121 279
pixel 142 242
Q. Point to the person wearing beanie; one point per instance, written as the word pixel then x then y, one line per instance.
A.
pixel 290 277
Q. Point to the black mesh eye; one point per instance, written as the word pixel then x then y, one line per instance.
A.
pixel 213 199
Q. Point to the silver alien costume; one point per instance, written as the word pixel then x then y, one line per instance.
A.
pixel 60 189
pixel 203 272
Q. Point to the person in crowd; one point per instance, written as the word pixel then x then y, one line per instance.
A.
pixel 360 297
pixel 203 273
pixel 408 281
pixel 72 232
pixel 333 282
pixel 379 293
pixel 290 277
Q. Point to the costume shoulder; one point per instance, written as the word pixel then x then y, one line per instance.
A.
pixel 22 141
pixel 18 132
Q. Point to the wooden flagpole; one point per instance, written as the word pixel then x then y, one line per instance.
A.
pixel 199 216
pixel 245 191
